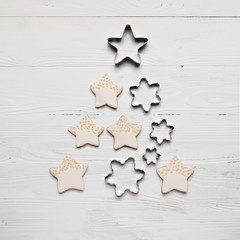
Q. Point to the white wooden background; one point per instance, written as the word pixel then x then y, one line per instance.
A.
pixel 50 52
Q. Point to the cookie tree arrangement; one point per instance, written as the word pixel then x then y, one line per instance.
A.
pixel 124 176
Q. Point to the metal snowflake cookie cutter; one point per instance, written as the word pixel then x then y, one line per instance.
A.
pixel 148 102
pixel 150 151
pixel 130 53
pixel 167 138
pixel 126 177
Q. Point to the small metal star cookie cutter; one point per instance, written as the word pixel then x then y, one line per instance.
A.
pixel 142 40
pixel 163 121
pixel 124 185
pixel 153 85
pixel 151 150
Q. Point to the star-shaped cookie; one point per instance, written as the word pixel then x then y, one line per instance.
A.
pixel 127 46
pixel 124 133
pixel 174 176
pixel 69 174
pixel 86 132
pixel 106 92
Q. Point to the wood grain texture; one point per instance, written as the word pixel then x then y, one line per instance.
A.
pixel 36 111
pixel 46 68
pixel 120 8
pixel 49 42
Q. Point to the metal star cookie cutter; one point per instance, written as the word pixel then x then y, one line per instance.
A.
pixel 163 121
pixel 141 41
pixel 151 150
pixel 142 105
pixel 122 184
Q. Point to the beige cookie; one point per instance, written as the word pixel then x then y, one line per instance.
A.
pixel 86 132
pixel 69 174
pixel 124 133
pixel 106 92
pixel 174 176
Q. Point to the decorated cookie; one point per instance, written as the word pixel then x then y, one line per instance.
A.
pixel 69 174
pixel 106 92
pixel 86 132
pixel 124 133
pixel 174 176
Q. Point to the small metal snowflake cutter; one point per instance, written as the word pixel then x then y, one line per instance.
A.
pixel 134 58
pixel 151 150
pixel 142 105
pixel 167 139
pixel 122 182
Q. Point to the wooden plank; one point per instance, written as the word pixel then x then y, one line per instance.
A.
pixel 120 8
pixel 33 209
pixel 41 42
pixel 47 100
pixel 60 91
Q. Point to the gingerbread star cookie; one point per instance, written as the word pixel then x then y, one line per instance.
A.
pixel 86 132
pixel 174 176
pixel 124 133
pixel 69 174
pixel 106 92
